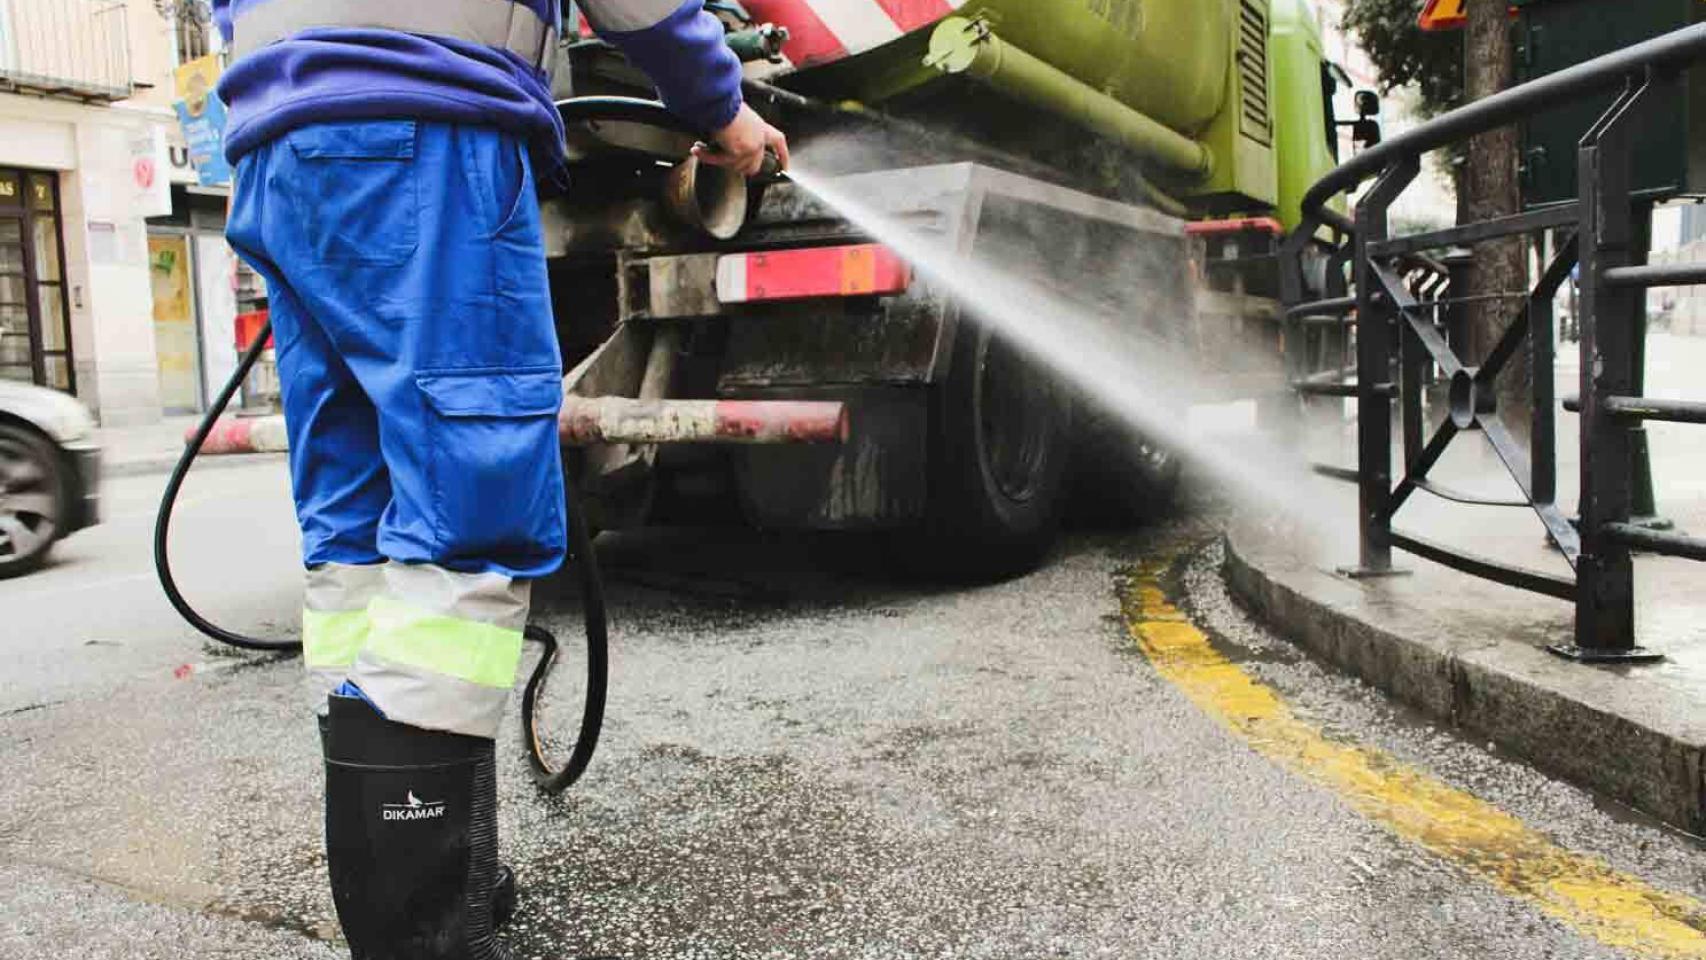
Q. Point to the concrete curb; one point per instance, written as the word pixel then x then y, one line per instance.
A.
pixel 144 466
pixel 1638 744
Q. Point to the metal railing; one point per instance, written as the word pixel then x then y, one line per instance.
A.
pixel 78 49
pixel 1397 310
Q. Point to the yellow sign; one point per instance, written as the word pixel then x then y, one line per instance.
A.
pixel 1444 15
pixel 195 80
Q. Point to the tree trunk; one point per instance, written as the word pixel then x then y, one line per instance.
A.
pixel 1490 189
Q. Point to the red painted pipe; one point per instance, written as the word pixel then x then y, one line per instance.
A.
pixel 590 420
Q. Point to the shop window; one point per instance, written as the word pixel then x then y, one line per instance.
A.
pixel 35 320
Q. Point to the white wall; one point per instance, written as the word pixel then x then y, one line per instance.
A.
pixel 216 295
pixel 118 297
pixel 106 251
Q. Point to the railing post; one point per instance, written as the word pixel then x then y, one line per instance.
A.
pixel 1543 427
pixel 1458 262
pixel 1376 314
pixel 1605 578
pixel 1413 364
pixel 1294 337
pixel 1643 509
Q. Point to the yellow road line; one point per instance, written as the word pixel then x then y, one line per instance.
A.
pixel 1582 891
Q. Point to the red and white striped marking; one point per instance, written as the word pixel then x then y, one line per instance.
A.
pixel 858 270
pixel 821 31
pixel 245 435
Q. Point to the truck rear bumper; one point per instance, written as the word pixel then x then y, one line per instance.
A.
pixel 874 480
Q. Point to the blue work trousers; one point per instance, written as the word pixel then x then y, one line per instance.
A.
pixel 416 349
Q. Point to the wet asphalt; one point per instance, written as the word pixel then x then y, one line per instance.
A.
pixel 804 758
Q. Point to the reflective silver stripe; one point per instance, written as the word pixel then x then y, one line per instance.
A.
pixel 420 697
pixel 337 587
pixel 626 16
pixel 503 24
pixel 481 597
pixel 431 701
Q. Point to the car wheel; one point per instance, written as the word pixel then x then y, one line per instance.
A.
pixel 32 500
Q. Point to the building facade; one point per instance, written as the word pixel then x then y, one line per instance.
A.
pixel 115 282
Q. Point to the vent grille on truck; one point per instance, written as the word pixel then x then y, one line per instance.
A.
pixel 1253 71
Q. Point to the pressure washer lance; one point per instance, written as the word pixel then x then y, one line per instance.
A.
pixel 551 779
pixel 770 171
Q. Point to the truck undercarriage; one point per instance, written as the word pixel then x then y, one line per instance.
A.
pixel 801 376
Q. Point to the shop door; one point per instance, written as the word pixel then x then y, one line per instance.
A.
pixel 17 331
pixel 174 323
pixel 35 320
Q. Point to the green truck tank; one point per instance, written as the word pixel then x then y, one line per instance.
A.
pixel 1222 100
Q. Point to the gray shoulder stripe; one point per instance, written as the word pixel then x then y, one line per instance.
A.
pixel 626 16
pixel 503 24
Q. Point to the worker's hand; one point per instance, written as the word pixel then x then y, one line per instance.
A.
pixel 740 146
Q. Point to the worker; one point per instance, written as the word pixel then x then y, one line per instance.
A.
pixel 386 153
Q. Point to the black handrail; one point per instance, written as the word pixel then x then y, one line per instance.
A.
pixel 1401 341
pixel 1674 49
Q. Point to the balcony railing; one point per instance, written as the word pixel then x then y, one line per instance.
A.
pixel 78 49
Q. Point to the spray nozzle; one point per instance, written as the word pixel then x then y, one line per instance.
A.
pixel 771 170
pixel 763 42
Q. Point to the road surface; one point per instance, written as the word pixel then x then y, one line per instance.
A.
pixel 804 759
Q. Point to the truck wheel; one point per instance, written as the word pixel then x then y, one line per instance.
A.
pixel 997 461
pixel 1119 476
pixel 33 505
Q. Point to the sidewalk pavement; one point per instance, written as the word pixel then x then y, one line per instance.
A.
pixel 1472 653
pixel 155 448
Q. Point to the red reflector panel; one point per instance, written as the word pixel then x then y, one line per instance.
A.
pixel 863 270
pixel 1209 228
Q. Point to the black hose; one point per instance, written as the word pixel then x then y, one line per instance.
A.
pixel 597 662
pixel 169 501
pixel 580 554
pixel 625 109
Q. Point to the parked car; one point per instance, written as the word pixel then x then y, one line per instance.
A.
pixel 50 467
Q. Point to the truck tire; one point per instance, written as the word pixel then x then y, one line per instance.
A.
pixel 1119 476
pixel 1000 444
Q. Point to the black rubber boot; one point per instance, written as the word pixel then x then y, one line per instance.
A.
pixel 503 892
pixel 411 838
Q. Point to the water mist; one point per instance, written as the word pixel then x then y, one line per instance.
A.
pixel 1145 389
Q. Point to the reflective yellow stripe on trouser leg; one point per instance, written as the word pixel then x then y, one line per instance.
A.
pixel 443 648
pixel 334 623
